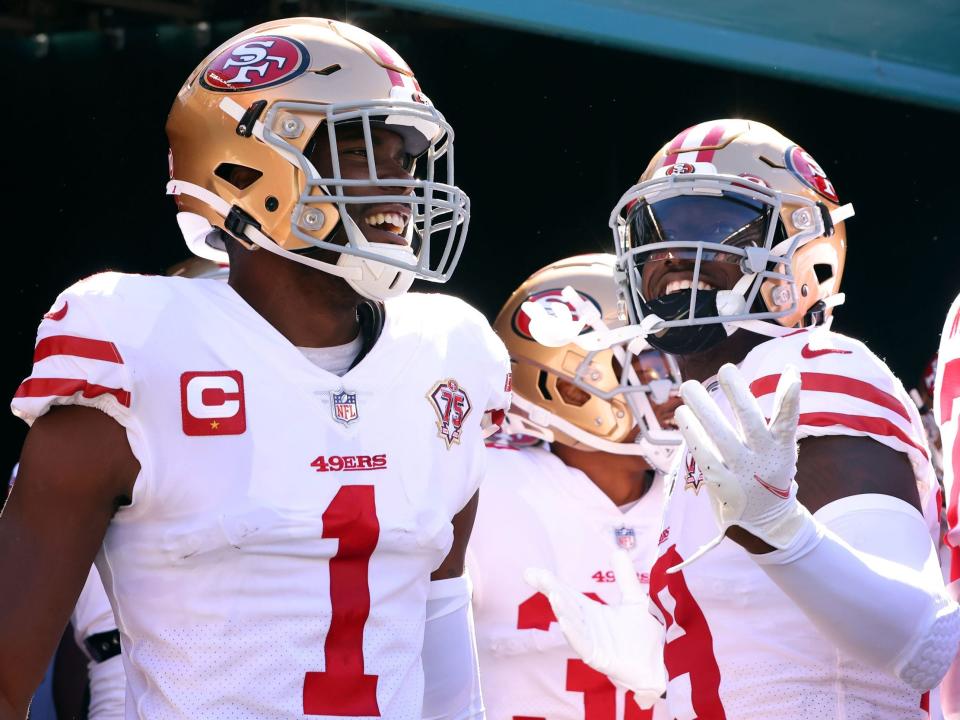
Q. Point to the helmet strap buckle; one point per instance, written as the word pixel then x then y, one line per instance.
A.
pixel 236 224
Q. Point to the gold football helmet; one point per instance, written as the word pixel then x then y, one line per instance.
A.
pixel 733 191
pixel 244 126
pixel 588 399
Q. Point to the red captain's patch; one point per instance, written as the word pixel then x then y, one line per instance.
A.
pixel 257 62
pixel 213 403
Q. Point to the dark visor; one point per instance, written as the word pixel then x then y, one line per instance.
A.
pixel 730 219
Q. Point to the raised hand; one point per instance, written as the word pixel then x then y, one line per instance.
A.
pixel 749 472
pixel 624 642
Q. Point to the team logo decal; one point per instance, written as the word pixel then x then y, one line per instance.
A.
pixel 212 403
pixel 807 171
pixel 452 405
pixel 259 62
pixel 343 404
pixel 626 537
pixel 694 477
pixel 680 169
pixel 521 321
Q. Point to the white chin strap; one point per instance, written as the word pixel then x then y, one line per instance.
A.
pixel 372 279
pixel 544 420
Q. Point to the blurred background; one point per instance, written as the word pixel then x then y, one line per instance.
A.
pixel 557 105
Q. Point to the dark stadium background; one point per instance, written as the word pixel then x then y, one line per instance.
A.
pixel 549 133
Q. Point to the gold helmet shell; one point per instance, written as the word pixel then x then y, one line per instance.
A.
pixel 792 272
pixel 242 132
pixel 591 400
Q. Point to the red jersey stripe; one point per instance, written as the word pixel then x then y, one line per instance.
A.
pixel 861 423
pixel 78 347
pixel 65 387
pixel 59 314
pixel 949 389
pixel 826 382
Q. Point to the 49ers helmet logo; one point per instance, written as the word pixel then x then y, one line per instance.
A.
pixel 256 63
pixel 809 172
pixel 521 321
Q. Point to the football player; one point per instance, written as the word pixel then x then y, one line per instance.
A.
pixel 568 505
pixel 820 596
pixel 277 476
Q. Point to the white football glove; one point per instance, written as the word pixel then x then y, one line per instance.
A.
pixel 749 474
pixel 624 642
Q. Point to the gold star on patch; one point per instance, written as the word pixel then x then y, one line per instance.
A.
pixel 214 425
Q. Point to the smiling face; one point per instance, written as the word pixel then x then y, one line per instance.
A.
pixel 379 222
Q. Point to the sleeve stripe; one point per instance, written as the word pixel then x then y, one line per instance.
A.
pixel 65 387
pixel 860 423
pixel 825 382
pixel 949 388
pixel 78 347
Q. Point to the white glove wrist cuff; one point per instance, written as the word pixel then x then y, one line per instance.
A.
pixel 797 534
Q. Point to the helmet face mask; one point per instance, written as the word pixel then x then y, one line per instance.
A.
pixel 433 206
pixel 739 203
pixel 607 400
pixel 267 100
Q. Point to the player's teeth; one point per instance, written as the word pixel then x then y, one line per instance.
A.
pixel 680 285
pixel 394 222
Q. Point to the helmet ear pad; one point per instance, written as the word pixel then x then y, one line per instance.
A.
pixel 817 268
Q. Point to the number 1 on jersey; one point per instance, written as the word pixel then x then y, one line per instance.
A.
pixel 343 688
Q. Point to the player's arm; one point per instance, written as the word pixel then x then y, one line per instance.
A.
pixel 450 666
pixel 76 469
pixel 839 466
pixel 863 568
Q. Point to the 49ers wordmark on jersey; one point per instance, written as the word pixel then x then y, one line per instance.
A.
pixel 212 403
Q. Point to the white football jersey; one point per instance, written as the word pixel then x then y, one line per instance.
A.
pixel 537 512
pixel 275 560
pixel 946 407
pixel 737 648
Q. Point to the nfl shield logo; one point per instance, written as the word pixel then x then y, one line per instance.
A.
pixel 344 405
pixel 626 537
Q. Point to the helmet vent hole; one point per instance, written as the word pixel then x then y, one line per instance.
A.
pixel 240 176
pixel 542 385
pixel 328 70
pixel 396 279
pixel 572 395
pixel 823 272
